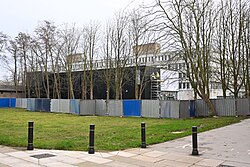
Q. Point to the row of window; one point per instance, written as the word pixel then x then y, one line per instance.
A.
pixel 184 85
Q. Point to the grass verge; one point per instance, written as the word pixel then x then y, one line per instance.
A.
pixel 70 132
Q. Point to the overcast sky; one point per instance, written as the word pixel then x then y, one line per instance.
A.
pixel 24 15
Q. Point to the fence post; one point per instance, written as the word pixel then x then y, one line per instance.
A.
pixel 195 141
pixel 143 135
pixel 30 136
pixel 91 139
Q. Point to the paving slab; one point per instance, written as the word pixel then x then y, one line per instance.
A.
pixel 148 164
pixel 120 164
pixel 189 159
pixel 210 162
pixel 5 149
pixel 154 154
pixel 91 164
pixel 123 153
pixel 170 163
pixel 147 159
pixel 3 165
pixel 231 163
pixel 123 159
pixel 59 164
pixel 97 160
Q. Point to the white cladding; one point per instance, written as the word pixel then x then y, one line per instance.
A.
pixel 170 80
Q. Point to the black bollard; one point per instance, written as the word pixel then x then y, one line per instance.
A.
pixel 30 136
pixel 91 139
pixel 143 135
pixel 195 141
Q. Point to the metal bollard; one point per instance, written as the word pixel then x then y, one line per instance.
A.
pixel 91 139
pixel 143 135
pixel 30 136
pixel 195 141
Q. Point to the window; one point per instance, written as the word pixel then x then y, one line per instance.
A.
pixel 184 75
pixel 179 85
pixel 188 86
pixel 180 75
pixel 184 85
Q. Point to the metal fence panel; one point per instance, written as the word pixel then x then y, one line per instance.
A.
pixel 132 107
pixel 64 105
pixel 31 104
pixel 169 109
pixel 4 102
pixel 225 107
pixel 75 106
pixel 184 109
pixel 38 104
pixel 101 108
pixel 243 106
pixel 24 103
pixel 115 108
pixel 54 105
pixel 18 103
pixel 150 108
pixel 87 107
pixel 202 109
pixel 46 105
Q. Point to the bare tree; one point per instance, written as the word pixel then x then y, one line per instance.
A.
pixel 122 48
pixel 13 50
pixel 90 37
pixel 246 43
pixel 190 24
pixel 23 42
pixel 3 42
pixel 45 39
pixel 143 42
pixel 108 63
pixel 69 37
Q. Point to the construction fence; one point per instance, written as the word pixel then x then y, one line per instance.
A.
pixel 127 108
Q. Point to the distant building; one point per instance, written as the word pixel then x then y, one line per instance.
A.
pixel 10 91
pixel 165 76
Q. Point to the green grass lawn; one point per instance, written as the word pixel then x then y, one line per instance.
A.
pixel 70 132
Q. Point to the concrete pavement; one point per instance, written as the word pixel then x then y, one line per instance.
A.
pixel 228 146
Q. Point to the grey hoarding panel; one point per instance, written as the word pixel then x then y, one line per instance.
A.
pixel 24 103
pixel 64 105
pixel 101 108
pixel 31 104
pixel 54 105
pixel 184 109
pixel 225 107
pixel 115 108
pixel 169 109
pixel 201 108
pixel 243 106
pixel 150 108
pixel 87 107
pixel 18 103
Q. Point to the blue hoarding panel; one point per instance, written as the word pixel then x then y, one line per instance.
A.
pixel 13 102
pixel 38 104
pixel 192 108
pixel 4 102
pixel 46 105
pixel 132 107
pixel 75 106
